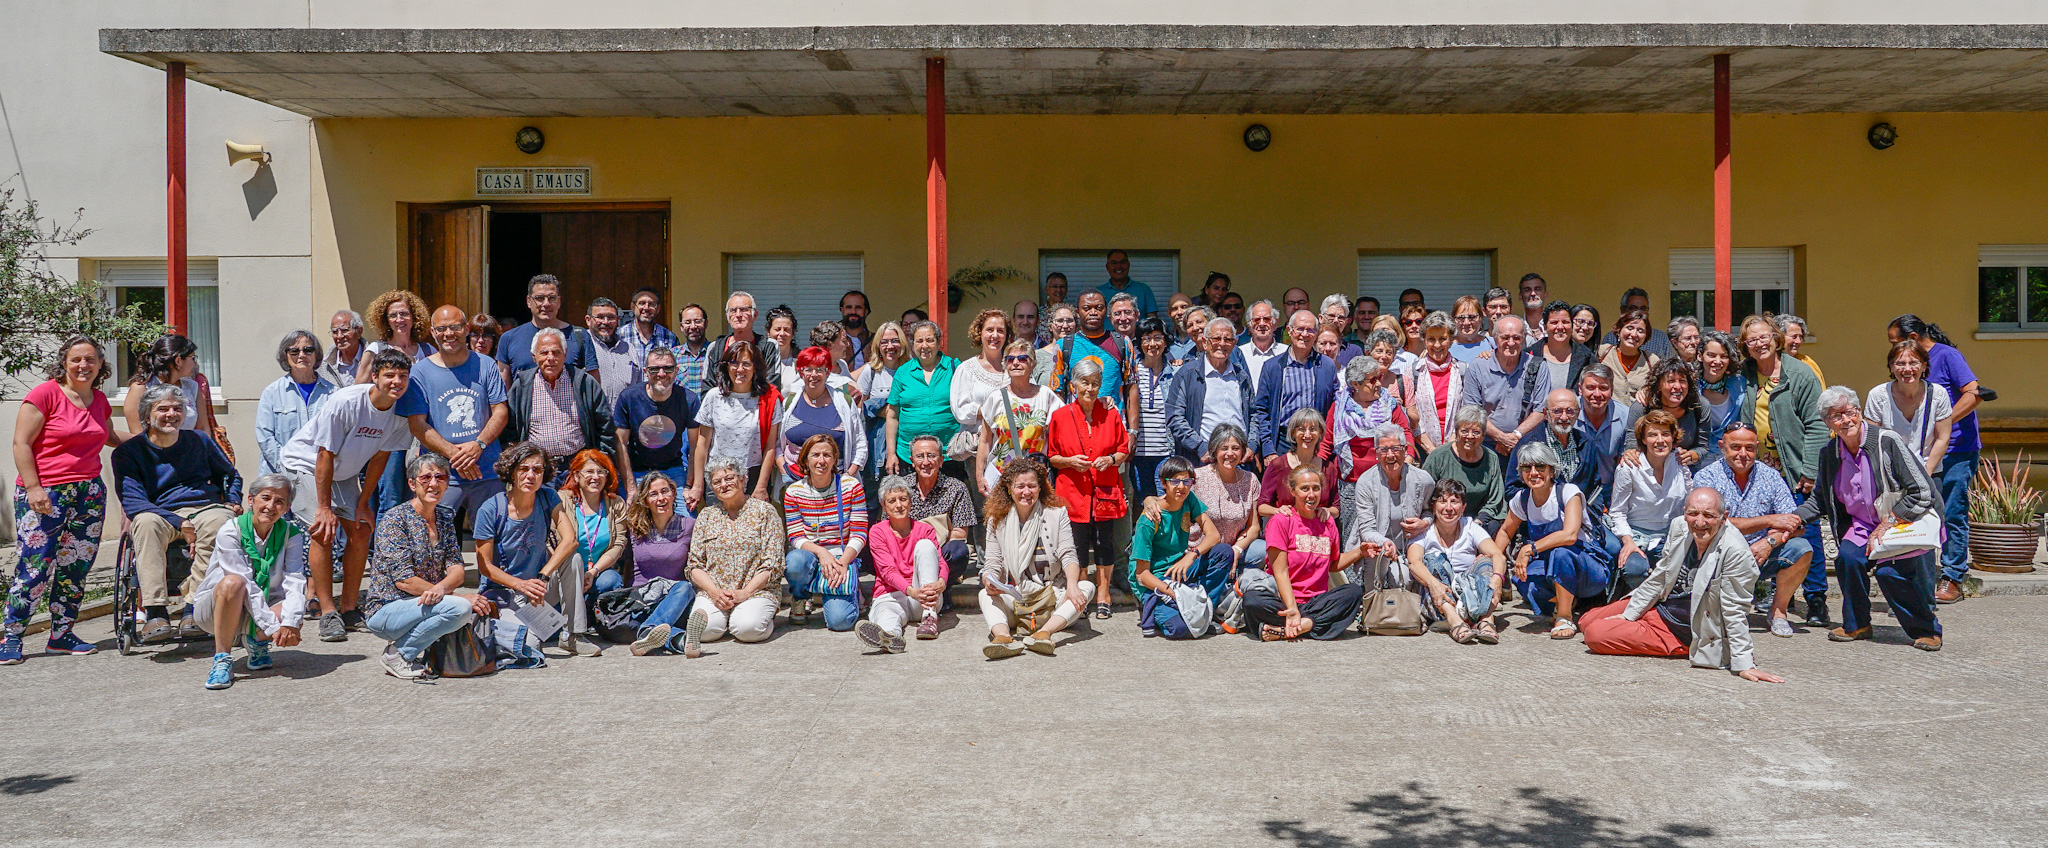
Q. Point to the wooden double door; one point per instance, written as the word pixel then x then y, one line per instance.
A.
pixel 479 256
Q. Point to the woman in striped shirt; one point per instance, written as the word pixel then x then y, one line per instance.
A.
pixel 826 518
pixel 1151 444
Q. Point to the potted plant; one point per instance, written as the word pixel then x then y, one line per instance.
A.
pixel 979 281
pixel 2004 517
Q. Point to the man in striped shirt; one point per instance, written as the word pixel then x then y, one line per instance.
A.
pixel 1299 379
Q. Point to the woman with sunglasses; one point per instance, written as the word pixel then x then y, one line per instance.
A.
pixel 484 331
pixel 1562 559
pixel 1015 419
pixel 1176 543
pixel 291 399
pixel 1585 325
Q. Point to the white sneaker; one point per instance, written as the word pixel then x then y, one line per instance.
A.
pixel 656 637
pixel 1781 627
pixel 396 665
pixel 871 635
pixel 693 634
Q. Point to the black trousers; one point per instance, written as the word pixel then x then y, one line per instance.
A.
pixel 1095 543
pixel 1332 611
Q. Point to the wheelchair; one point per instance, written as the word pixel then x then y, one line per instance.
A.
pixel 128 592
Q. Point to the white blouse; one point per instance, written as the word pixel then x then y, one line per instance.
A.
pixel 1642 506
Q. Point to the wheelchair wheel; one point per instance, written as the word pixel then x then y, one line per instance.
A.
pixel 125 597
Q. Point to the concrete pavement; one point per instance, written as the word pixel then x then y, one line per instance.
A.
pixel 1117 741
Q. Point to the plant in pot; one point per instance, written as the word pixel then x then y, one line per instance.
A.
pixel 979 281
pixel 2004 517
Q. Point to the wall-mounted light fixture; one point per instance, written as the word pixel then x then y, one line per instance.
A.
pixel 238 152
pixel 529 140
pixel 1257 137
pixel 1883 135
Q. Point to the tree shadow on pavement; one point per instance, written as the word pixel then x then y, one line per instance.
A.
pixel 33 784
pixel 1412 818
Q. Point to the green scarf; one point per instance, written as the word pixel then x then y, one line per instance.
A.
pixel 262 559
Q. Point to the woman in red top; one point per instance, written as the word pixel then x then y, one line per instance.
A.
pixel 1088 441
pixel 59 501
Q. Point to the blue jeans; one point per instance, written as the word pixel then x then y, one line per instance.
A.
pixel 415 628
pixel 671 610
pixel 1905 588
pixel 392 489
pixel 1145 474
pixel 1816 578
pixel 1570 568
pixel 1472 591
pixel 1254 557
pixel 1212 572
pixel 1632 571
pixel 842 606
pixel 1957 470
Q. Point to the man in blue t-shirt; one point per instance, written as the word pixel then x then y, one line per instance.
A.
pixel 656 421
pixel 544 300
pixel 456 405
pixel 1120 282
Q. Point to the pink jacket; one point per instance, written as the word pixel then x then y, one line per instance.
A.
pixel 894 568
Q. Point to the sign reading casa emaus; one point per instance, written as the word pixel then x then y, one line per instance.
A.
pixel 532 181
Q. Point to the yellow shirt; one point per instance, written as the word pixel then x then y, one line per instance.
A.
pixel 1767 447
pixel 1816 369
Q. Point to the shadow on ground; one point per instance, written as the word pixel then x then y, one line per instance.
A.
pixel 1412 818
pixel 33 784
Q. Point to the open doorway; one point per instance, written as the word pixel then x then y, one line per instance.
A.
pixel 480 256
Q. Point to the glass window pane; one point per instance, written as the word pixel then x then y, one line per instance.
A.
pixel 1773 301
pixel 202 314
pixel 1745 305
pixel 151 303
pixel 2037 295
pixel 1685 303
pixel 1998 295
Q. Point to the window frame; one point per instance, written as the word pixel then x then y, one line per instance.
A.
pixel 2021 258
pixel 1703 309
pixel 201 274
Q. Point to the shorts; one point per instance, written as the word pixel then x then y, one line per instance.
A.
pixel 342 498
pixel 1783 556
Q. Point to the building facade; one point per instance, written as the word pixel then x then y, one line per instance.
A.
pixel 780 147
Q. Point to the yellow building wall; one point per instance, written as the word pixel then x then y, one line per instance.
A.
pixel 1592 202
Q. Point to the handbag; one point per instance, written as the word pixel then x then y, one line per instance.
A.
pixel 963 445
pixel 1390 610
pixel 463 652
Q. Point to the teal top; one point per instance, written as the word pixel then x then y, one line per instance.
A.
pixel 1164 542
pixel 923 407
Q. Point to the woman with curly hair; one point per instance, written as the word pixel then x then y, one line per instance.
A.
pixel 399 319
pixel 660 537
pixel 59 501
pixel 1030 573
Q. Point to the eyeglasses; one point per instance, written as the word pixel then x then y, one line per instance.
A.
pixel 1180 481
pixel 544 298
pixel 1017 357
pixel 301 351
pixel 660 369
pixel 1411 322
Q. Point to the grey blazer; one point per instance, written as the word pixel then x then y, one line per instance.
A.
pixel 1721 594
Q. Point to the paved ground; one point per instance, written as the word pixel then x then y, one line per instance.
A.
pixel 1117 741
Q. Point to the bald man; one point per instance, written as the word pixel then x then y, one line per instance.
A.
pixel 1695 603
pixel 456 405
pixel 1566 432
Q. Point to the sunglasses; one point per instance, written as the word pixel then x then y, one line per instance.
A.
pixel 1021 357
pixel 660 369
pixel 1180 481
pixel 301 351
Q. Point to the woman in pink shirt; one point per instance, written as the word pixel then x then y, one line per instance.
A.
pixel 59 501
pixel 910 577
pixel 1302 548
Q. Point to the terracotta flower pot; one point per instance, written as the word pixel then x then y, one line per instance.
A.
pixel 2003 548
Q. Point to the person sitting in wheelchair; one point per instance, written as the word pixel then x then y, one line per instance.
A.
pixel 255 587
pixel 174 484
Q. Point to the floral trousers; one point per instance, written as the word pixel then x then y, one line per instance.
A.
pixel 56 552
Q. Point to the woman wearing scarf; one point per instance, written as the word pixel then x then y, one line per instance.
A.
pixel 1435 387
pixel 1030 575
pixel 258 576
pixel 1355 422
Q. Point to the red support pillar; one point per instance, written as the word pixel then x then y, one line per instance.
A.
pixel 935 191
pixel 174 195
pixel 1724 202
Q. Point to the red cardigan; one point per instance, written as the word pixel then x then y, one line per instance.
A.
pixel 1091 495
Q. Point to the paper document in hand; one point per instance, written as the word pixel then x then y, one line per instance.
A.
pixel 540 619
pixel 1005 588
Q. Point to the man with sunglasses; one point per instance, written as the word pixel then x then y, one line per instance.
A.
pixel 1233 309
pixel 544 300
pixel 657 422
pixel 455 403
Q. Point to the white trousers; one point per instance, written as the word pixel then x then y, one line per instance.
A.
pixel 891 611
pixel 1004 609
pixel 752 620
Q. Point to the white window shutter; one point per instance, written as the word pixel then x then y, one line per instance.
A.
pixel 1443 277
pixel 1159 270
pixel 810 284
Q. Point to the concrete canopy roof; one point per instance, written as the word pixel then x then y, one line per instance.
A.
pixel 1101 69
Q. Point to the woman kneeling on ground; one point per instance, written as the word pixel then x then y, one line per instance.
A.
pixel 660 539
pixel 1562 562
pixel 1302 550
pixel 417 568
pixel 1030 574
pixel 258 571
pixel 1459 566
pixel 1162 558
pixel 910 577
pixel 735 554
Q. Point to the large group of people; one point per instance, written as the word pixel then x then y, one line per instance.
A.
pixel 1260 468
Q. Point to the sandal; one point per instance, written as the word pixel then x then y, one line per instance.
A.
pixel 1486 634
pixel 1272 633
pixel 1461 633
pixel 1563 629
pixel 1102 612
